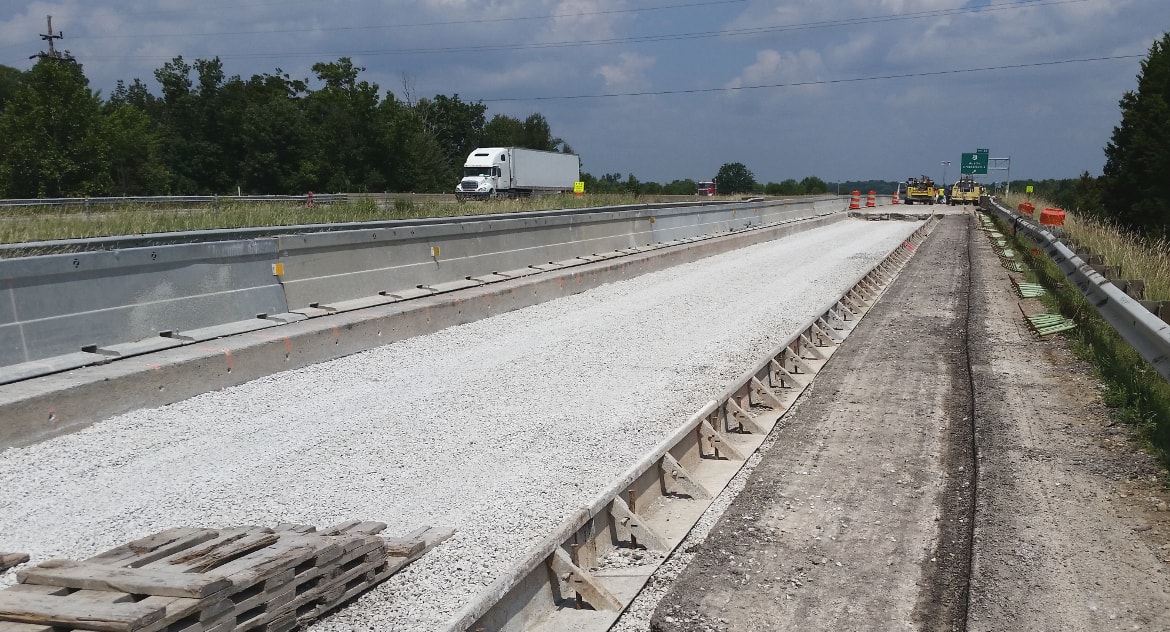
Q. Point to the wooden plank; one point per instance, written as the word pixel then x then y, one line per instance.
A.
pixel 155 547
pixel 149 580
pixel 8 560
pixel 77 612
pixel 283 556
pixel 225 550
pixel 8 626
pixel 365 527
pixel 176 608
pixel 292 527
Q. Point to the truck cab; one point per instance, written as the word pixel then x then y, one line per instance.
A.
pixel 485 174
pixel 706 187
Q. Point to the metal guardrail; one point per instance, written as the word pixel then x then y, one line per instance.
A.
pixel 1148 334
pixel 88 202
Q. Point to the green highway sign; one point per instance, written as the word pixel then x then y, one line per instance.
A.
pixel 975 163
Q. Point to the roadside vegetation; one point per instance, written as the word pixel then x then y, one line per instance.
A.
pixel 29 224
pixel 1134 391
pixel 1140 256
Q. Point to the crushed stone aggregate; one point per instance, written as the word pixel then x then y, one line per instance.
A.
pixel 499 428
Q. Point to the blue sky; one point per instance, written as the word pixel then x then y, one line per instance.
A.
pixel 840 89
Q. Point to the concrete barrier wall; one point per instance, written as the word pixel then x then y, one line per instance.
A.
pixel 55 305
pixel 34 410
pixel 327 268
pixel 66 311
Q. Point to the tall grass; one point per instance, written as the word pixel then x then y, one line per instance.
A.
pixel 29 224
pixel 1139 257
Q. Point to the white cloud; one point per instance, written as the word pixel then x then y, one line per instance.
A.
pixel 628 71
pixel 773 67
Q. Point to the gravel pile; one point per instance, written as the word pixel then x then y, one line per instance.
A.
pixel 499 428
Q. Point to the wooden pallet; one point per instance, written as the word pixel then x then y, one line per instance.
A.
pixel 8 560
pixel 211 580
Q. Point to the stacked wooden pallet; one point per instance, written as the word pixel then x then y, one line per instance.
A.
pixel 8 560
pixel 211 580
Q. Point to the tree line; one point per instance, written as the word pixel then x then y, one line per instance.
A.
pixel 207 133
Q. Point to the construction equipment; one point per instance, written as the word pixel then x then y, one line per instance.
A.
pixel 920 190
pixel 966 191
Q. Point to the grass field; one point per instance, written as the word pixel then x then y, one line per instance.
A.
pixel 30 224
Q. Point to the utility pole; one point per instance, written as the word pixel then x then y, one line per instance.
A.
pixel 49 37
pixel 945 163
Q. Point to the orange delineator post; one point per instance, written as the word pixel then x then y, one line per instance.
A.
pixel 855 200
pixel 1052 217
pixel 871 201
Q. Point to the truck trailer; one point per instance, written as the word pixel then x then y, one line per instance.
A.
pixel 508 172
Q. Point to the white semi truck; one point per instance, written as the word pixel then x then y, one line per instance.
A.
pixel 492 172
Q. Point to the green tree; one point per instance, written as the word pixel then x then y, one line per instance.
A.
pixel 790 187
pixel 345 114
pixel 275 141
pixel 457 127
pixel 1138 155
pixel 10 78
pixel 502 131
pixel 537 134
pixel 734 177
pixel 680 187
pixel 632 185
pixel 53 142
pixel 134 151
pixel 813 185
pixel 1087 195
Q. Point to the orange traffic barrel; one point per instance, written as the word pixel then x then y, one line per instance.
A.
pixel 871 201
pixel 894 198
pixel 1052 217
pixel 855 200
pixel 1026 208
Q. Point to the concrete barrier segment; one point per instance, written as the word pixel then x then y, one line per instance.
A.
pixel 60 403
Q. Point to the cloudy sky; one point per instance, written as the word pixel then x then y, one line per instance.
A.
pixel 671 89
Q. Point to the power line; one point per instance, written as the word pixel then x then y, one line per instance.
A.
pixel 429 24
pixel 797 84
pixel 854 21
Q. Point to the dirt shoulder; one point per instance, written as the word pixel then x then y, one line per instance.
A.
pixel 838 526
pixel 1072 531
pixel 859 516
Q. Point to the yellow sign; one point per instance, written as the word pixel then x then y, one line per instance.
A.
pixel 578 187
pixel 1028 189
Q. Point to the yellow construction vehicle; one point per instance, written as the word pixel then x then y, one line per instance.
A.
pixel 920 190
pixel 966 191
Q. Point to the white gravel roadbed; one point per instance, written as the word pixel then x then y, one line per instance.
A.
pixel 499 428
